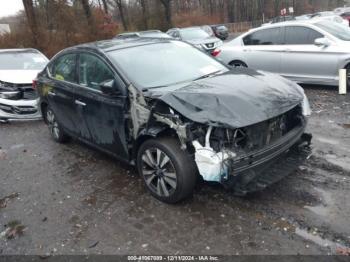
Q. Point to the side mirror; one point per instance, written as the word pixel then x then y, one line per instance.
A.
pixel 322 42
pixel 110 87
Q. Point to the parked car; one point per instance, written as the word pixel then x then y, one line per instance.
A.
pixel 346 16
pixel 197 37
pixel 208 29
pixel 309 51
pixel 220 31
pixel 149 33
pixel 303 17
pixel 330 16
pixel 280 19
pixel 18 69
pixel 341 10
pixel 176 114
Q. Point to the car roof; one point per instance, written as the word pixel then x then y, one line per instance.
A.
pixel 19 50
pixel 151 31
pixel 186 28
pixel 117 44
pixel 141 32
pixel 292 22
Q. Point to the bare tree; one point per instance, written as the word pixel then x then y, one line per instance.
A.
pixel 105 6
pixel 120 6
pixel 144 7
pixel 168 12
pixel 87 11
pixel 29 9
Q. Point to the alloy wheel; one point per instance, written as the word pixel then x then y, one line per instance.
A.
pixel 159 172
pixel 52 123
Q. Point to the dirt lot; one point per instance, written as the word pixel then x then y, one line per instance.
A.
pixel 74 200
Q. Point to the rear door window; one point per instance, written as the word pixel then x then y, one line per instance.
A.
pixel 300 35
pixel 272 36
pixel 64 68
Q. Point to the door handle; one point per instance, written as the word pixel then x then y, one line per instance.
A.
pixel 51 93
pixel 77 102
pixel 288 50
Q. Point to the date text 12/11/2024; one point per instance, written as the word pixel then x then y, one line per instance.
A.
pixel 173 258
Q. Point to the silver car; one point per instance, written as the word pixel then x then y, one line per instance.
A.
pixel 310 51
pixel 197 37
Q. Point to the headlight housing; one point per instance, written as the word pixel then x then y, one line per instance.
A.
pixel 306 106
pixel 199 46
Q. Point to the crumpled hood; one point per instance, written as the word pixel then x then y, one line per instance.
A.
pixel 18 76
pixel 203 41
pixel 236 99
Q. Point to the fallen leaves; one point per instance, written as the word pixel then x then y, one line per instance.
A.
pixel 343 251
pixel 5 200
pixel 13 230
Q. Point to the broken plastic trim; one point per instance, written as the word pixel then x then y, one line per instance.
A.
pixel 138 109
pixel 141 114
pixel 211 165
pixel 306 106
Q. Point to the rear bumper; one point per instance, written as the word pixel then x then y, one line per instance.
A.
pixel 19 109
pixel 258 170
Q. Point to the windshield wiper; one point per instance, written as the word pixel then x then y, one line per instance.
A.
pixel 202 77
pixel 208 75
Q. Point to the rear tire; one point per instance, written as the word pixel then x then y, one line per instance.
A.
pixel 348 72
pixel 169 172
pixel 55 129
pixel 4 120
pixel 238 64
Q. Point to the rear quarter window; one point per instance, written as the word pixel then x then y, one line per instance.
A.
pixel 300 35
pixel 64 68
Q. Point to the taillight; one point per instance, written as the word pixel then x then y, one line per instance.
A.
pixel 34 84
pixel 216 52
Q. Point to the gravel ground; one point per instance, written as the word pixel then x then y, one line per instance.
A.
pixel 70 199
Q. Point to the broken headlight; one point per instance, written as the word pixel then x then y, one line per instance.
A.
pixel 306 106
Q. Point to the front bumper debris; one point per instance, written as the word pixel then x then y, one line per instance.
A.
pixel 269 171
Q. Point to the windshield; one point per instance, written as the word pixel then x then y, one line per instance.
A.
pixel 17 60
pixel 338 30
pixel 194 33
pixel 164 64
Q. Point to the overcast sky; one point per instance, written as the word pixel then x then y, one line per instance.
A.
pixel 10 7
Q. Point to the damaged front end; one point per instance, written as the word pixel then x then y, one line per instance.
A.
pixel 18 101
pixel 252 158
pixel 245 142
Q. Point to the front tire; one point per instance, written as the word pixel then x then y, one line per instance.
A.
pixel 169 172
pixel 55 129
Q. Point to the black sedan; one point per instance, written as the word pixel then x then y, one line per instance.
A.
pixel 175 113
pixel 220 31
